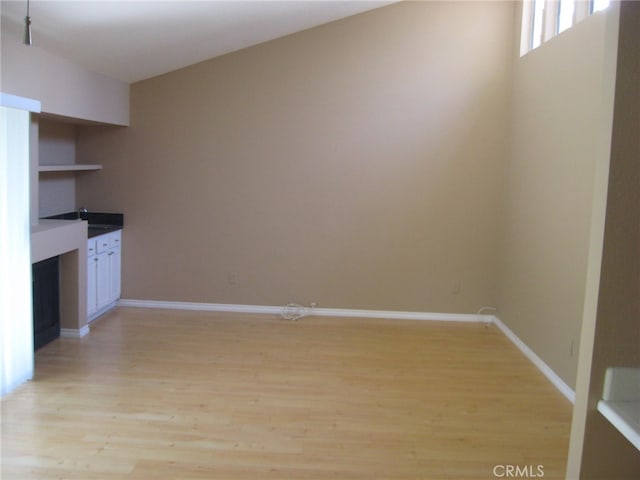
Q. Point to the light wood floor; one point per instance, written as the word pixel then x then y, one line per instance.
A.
pixel 153 394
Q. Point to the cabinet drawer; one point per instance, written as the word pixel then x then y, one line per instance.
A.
pixel 102 243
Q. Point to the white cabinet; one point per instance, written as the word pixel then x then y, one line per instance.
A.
pixel 92 275
pixel 103 273
pixel 114 257
pixel 102 280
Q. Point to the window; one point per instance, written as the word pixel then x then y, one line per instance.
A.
pixel 538 17
pixel 544 19
pixel 565 14
pixel 597 5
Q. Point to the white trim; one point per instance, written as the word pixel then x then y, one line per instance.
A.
pixel 75 167
pixel 320 312
pixel 74 332
pixel 20 103
pixel 202 307
pixel 537 361
pixel 355 313
pixel 101 312
pixel 396 315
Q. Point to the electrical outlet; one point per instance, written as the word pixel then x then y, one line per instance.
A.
pixel 456 288
pixel 232 278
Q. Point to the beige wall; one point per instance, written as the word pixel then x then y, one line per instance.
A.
pixel 57 145
pixel 62 87
pixel 358 165
pixel 561 126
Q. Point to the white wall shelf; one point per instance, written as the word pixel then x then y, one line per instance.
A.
pixel 75 167
pixel 625 416
pixel 620 402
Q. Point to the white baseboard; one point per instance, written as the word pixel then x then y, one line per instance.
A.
pixel 399 315
pixel 202 307
pixel 74 332
pixel 355 313
pixel 537 361
pixel 320 312
pixel 101 311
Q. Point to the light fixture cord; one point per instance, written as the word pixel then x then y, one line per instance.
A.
pixel 27 27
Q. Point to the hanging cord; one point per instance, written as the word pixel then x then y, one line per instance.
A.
pixel 27 28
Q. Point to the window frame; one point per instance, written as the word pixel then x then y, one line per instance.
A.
pixel 550 20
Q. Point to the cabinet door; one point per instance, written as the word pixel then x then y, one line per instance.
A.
pixel 114 239
pixel 102 279
pixel 114 274
pixel 92 277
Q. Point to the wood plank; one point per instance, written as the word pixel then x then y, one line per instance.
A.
pixel 159 394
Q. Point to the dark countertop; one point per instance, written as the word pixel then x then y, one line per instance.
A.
pixel 99 222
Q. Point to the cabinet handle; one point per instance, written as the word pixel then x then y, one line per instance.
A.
pixel 111 253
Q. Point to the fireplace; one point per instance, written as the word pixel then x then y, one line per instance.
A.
pixel 46 302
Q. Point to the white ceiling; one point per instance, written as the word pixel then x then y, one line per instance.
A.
pixel 136 39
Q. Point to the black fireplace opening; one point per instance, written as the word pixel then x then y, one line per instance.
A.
pixel 46 301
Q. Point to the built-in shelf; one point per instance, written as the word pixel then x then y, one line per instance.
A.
pixel 74 167
pixel 620 402
pixel 625 416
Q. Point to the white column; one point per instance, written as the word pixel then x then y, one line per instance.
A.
pixel 16 323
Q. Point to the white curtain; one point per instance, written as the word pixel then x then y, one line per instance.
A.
pixel 16 324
